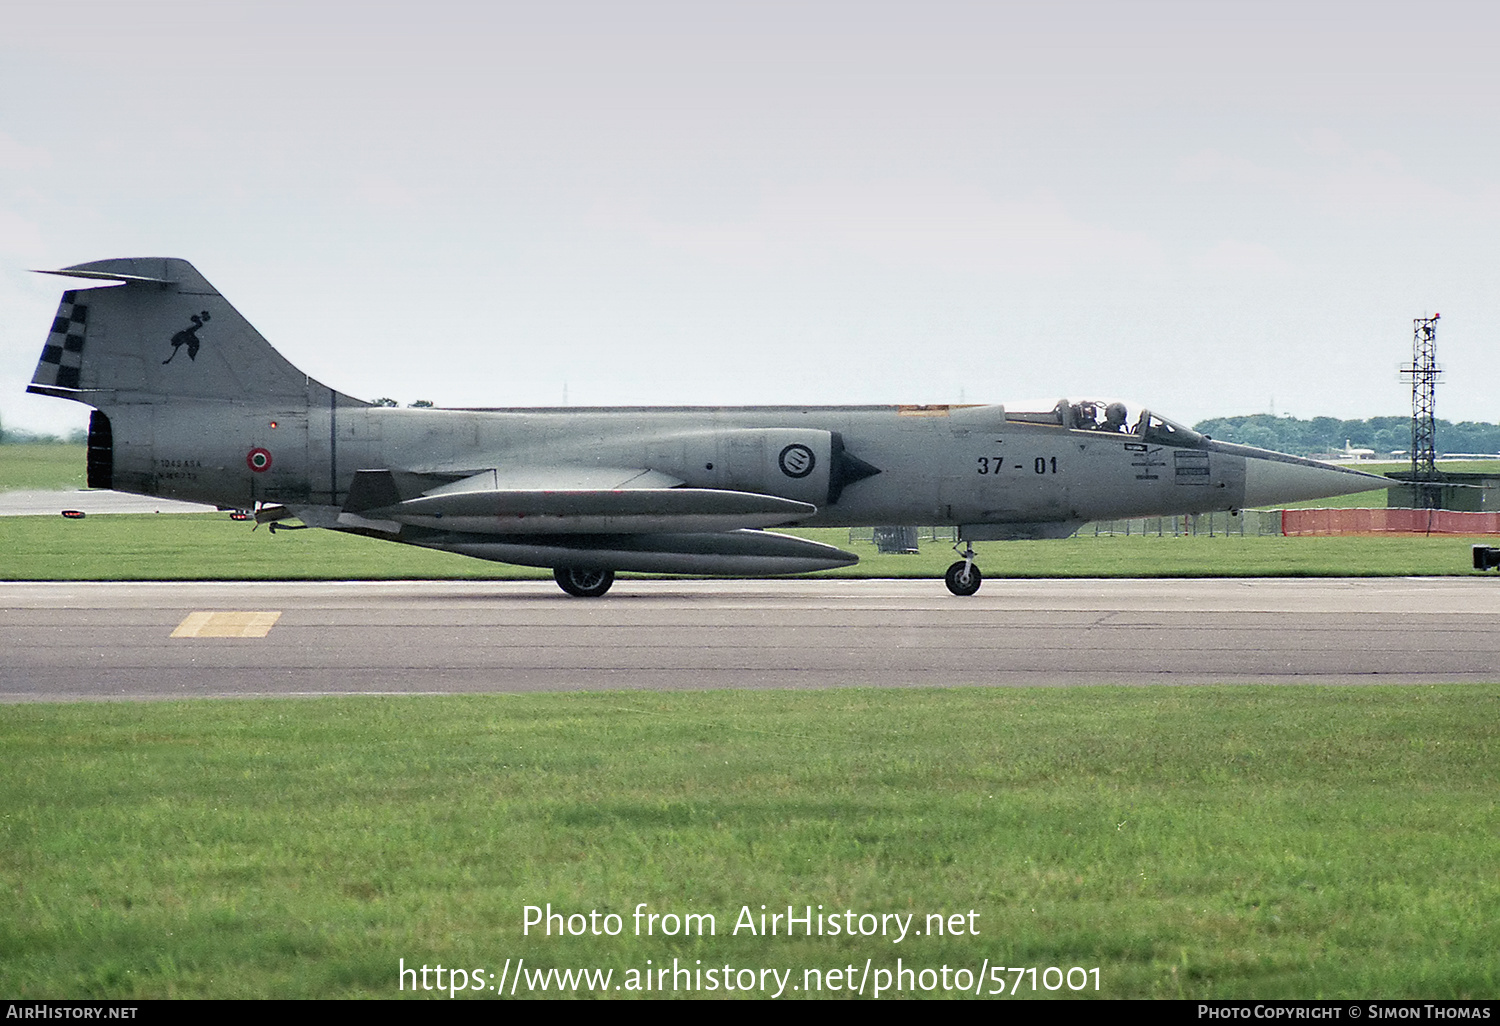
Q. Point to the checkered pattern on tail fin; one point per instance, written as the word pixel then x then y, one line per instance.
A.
pixel 62 356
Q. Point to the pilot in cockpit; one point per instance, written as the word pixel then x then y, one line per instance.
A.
pixel 1114 418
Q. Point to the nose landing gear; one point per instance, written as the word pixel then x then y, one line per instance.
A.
pixel 963 577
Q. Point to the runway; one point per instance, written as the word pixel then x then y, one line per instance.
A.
pixel 34 503
pixel 71 641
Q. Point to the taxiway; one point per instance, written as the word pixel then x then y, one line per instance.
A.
pixel 73 641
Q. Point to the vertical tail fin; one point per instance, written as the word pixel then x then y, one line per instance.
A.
pixel 163 331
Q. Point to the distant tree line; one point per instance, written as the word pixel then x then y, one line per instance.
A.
pixel 22 437
pixel 14 436
pixel 1386 435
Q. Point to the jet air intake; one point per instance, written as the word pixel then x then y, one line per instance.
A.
pixel 806 464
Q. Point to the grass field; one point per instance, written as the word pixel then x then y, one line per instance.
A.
pixel 1186 842
pixel 213 547
pixel 1267 842
pixel 42 466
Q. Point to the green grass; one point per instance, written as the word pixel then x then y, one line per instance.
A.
pixel 210 546
pixel 42 466
pixel 213 547
pixel 1190 842
pixel 1377 499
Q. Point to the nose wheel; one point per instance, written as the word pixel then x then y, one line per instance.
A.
pixel 583 583
pixel 963 577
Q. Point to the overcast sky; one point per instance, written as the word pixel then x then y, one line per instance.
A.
pixel 1209 208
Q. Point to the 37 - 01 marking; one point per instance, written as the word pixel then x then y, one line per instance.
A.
pixel 995 464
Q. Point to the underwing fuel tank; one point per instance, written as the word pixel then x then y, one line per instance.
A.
pixel 747 552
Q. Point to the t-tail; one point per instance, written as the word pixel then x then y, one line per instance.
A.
pixel 159 331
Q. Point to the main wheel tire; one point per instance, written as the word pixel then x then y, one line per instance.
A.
pixel 963 578
pixel 583 583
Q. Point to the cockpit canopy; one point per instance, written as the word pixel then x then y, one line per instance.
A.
pixel 1109 416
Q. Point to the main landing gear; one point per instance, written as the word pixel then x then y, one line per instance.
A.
pixel 583 583
pixel 963 577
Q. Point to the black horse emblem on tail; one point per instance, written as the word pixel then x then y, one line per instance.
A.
pixel 188 337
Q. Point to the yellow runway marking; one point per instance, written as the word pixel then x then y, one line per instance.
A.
pixel 226 625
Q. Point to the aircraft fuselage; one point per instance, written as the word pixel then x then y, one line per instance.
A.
pixel 193 403
pixel 938 465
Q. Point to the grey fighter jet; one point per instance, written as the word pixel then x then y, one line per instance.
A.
pixel 190 402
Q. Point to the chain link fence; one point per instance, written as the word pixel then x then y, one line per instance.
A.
pixel 1247 522
pixel 1271 523
pixel 906 540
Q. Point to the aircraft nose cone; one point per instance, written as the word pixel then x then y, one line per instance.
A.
pixel 1272 480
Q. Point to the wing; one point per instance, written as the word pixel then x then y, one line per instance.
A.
pixel 565 500
pixel 582 517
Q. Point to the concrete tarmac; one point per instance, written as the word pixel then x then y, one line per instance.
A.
pixel 71 641
pixel 34 503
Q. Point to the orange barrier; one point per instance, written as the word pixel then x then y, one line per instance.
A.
pixel 1382 521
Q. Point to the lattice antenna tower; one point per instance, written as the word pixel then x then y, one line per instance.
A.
pixel 1423 373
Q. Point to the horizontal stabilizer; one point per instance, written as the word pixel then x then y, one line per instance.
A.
pixel 84 271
